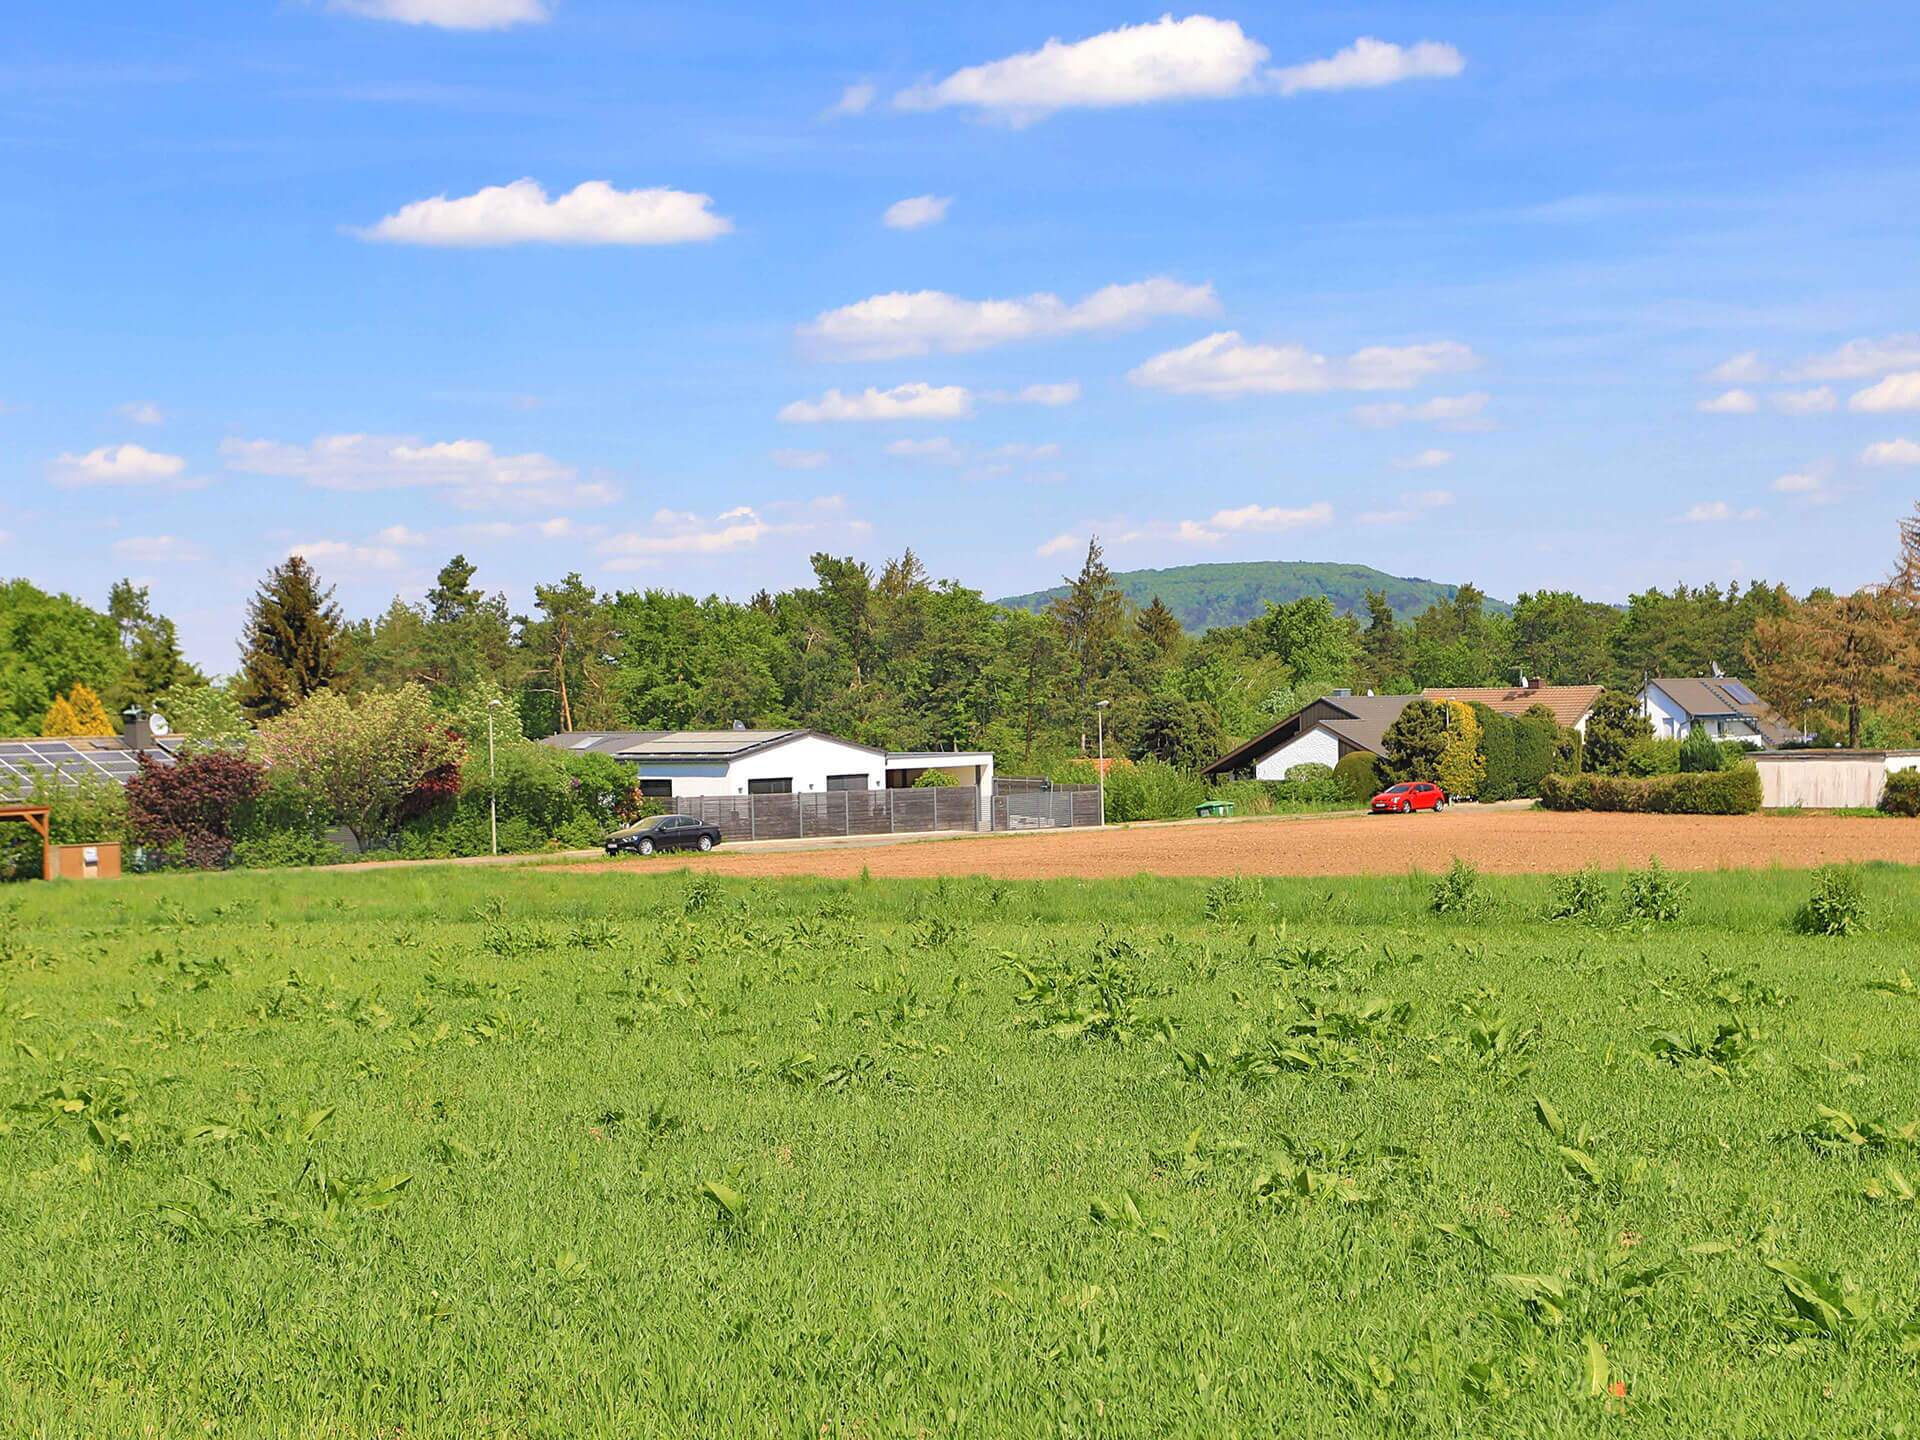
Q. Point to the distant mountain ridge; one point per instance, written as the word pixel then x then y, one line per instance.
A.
pixel 1206 596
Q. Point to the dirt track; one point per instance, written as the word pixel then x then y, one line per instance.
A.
pixel 1504 840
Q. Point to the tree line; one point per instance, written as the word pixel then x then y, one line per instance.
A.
pixel 895 658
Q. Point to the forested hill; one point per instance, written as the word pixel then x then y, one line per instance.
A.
pixel 1206 596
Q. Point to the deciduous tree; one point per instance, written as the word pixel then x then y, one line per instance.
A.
pixel 194 803
pixel 362 757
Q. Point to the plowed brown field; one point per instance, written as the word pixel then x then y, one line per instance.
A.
pixel 1497 840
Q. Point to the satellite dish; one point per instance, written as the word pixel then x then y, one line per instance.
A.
pixel 158 724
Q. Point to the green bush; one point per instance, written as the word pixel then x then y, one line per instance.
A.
pixel 281 849
pixel 1580 898
pixel 932 780
pixel 20 854
pixel 1358 776
pixel 1700 752
pixel 1720 792
pixel 1653 757
pixel 1902 795
pixel 1536 737
pixel 1309 783
pixel 1152 790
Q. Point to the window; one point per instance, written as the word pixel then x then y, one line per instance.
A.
pixel 849 782
pixel 656 789
pixel 781 785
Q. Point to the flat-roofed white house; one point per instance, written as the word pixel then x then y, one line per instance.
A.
pixel 683 764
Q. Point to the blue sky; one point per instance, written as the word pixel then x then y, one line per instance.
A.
pixel 1584 295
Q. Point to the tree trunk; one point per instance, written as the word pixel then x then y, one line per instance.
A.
pixel 1853 724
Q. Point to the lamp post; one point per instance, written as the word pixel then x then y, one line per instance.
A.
pixel 493 794
pixel 1100 743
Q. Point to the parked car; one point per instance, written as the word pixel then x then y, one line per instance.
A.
pixel 663 832
pixel 1407 798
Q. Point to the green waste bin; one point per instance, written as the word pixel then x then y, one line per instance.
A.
pixel 1213 809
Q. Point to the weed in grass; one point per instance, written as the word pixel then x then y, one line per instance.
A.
pixel 1579 898
pixel 1837 908
pixel 1457 893
pixel 1903 985
pixel 1653 896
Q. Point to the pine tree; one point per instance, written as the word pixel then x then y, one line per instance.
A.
pixel 1383 644
pixel 293 641
pixel 154 665
pixel 1161 627
pixel 1090 616
pixel 1836 654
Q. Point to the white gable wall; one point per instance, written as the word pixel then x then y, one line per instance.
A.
pixel 1670 722
pixel 1318 746
pixel 807 760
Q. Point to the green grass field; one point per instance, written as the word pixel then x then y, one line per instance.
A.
pixel 463 1152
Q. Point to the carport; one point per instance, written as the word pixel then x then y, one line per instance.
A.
pixel 36 817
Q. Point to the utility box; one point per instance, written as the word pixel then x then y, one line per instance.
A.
pixel 85 862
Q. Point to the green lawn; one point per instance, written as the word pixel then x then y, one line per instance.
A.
pixel 459 1152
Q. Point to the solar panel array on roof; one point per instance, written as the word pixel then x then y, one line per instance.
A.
pixel 1740 692
pixel 24 762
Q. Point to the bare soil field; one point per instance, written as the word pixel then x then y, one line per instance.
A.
pixel 1497 840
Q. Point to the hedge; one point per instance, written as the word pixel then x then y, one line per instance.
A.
pixel 1711 792
pixel 1902 795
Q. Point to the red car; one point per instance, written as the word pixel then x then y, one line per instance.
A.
pixel 1405 799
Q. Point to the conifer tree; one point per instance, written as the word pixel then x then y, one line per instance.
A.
pixel 293 641
pixel 60 719
pixel 1161 627
pixel 89 715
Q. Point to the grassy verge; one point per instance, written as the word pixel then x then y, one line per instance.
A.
pixel 504 1152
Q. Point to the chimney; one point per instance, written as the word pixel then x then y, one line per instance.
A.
pixel 1529 682
pixel 135 729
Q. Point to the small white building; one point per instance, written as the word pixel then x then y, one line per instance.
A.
pixel 682 764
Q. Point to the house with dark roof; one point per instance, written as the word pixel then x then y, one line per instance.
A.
pixel 1322 733
pixel 1726 708
pixel 679 764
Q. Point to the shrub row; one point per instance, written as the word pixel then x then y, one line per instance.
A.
pixel 1709 792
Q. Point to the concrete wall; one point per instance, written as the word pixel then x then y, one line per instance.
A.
pixel 1816 781
pixel 1315 746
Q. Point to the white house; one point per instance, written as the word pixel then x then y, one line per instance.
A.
pixel 679 764
pixel 1726 709
pixel 1321 733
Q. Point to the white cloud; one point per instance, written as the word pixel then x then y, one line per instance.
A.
pixel 1058 545
pixel 1730 402
pixel 400 535
pixel 800 459
pixel 916 212
pixel 939 449
pixel 141 412
pixel 915 401
pixel 120 465
pixel 683 533
pixel 448 14
pixel 1021 450
pixel 1746 368
pixel 1891 452
pixel 853 100
pixel 1426 460
pixel 1817 401
pixel 1413 504
pixel 1368 64
pixel 468 472
pixel 1708 512
pixel 1798 483
pixel 1167 59
pixel 1064 393
pixel 1859 359
pixel 1450 412
pixel 346 555
pixel 592 213
pixel 1896 392
pixel 1225 364
pixel 884 327
pixel 1270 519
pixel 151 548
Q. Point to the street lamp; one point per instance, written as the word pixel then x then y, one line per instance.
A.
pixel 1100 741
pixel 493 794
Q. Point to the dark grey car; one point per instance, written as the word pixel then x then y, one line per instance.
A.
pixel 663 832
